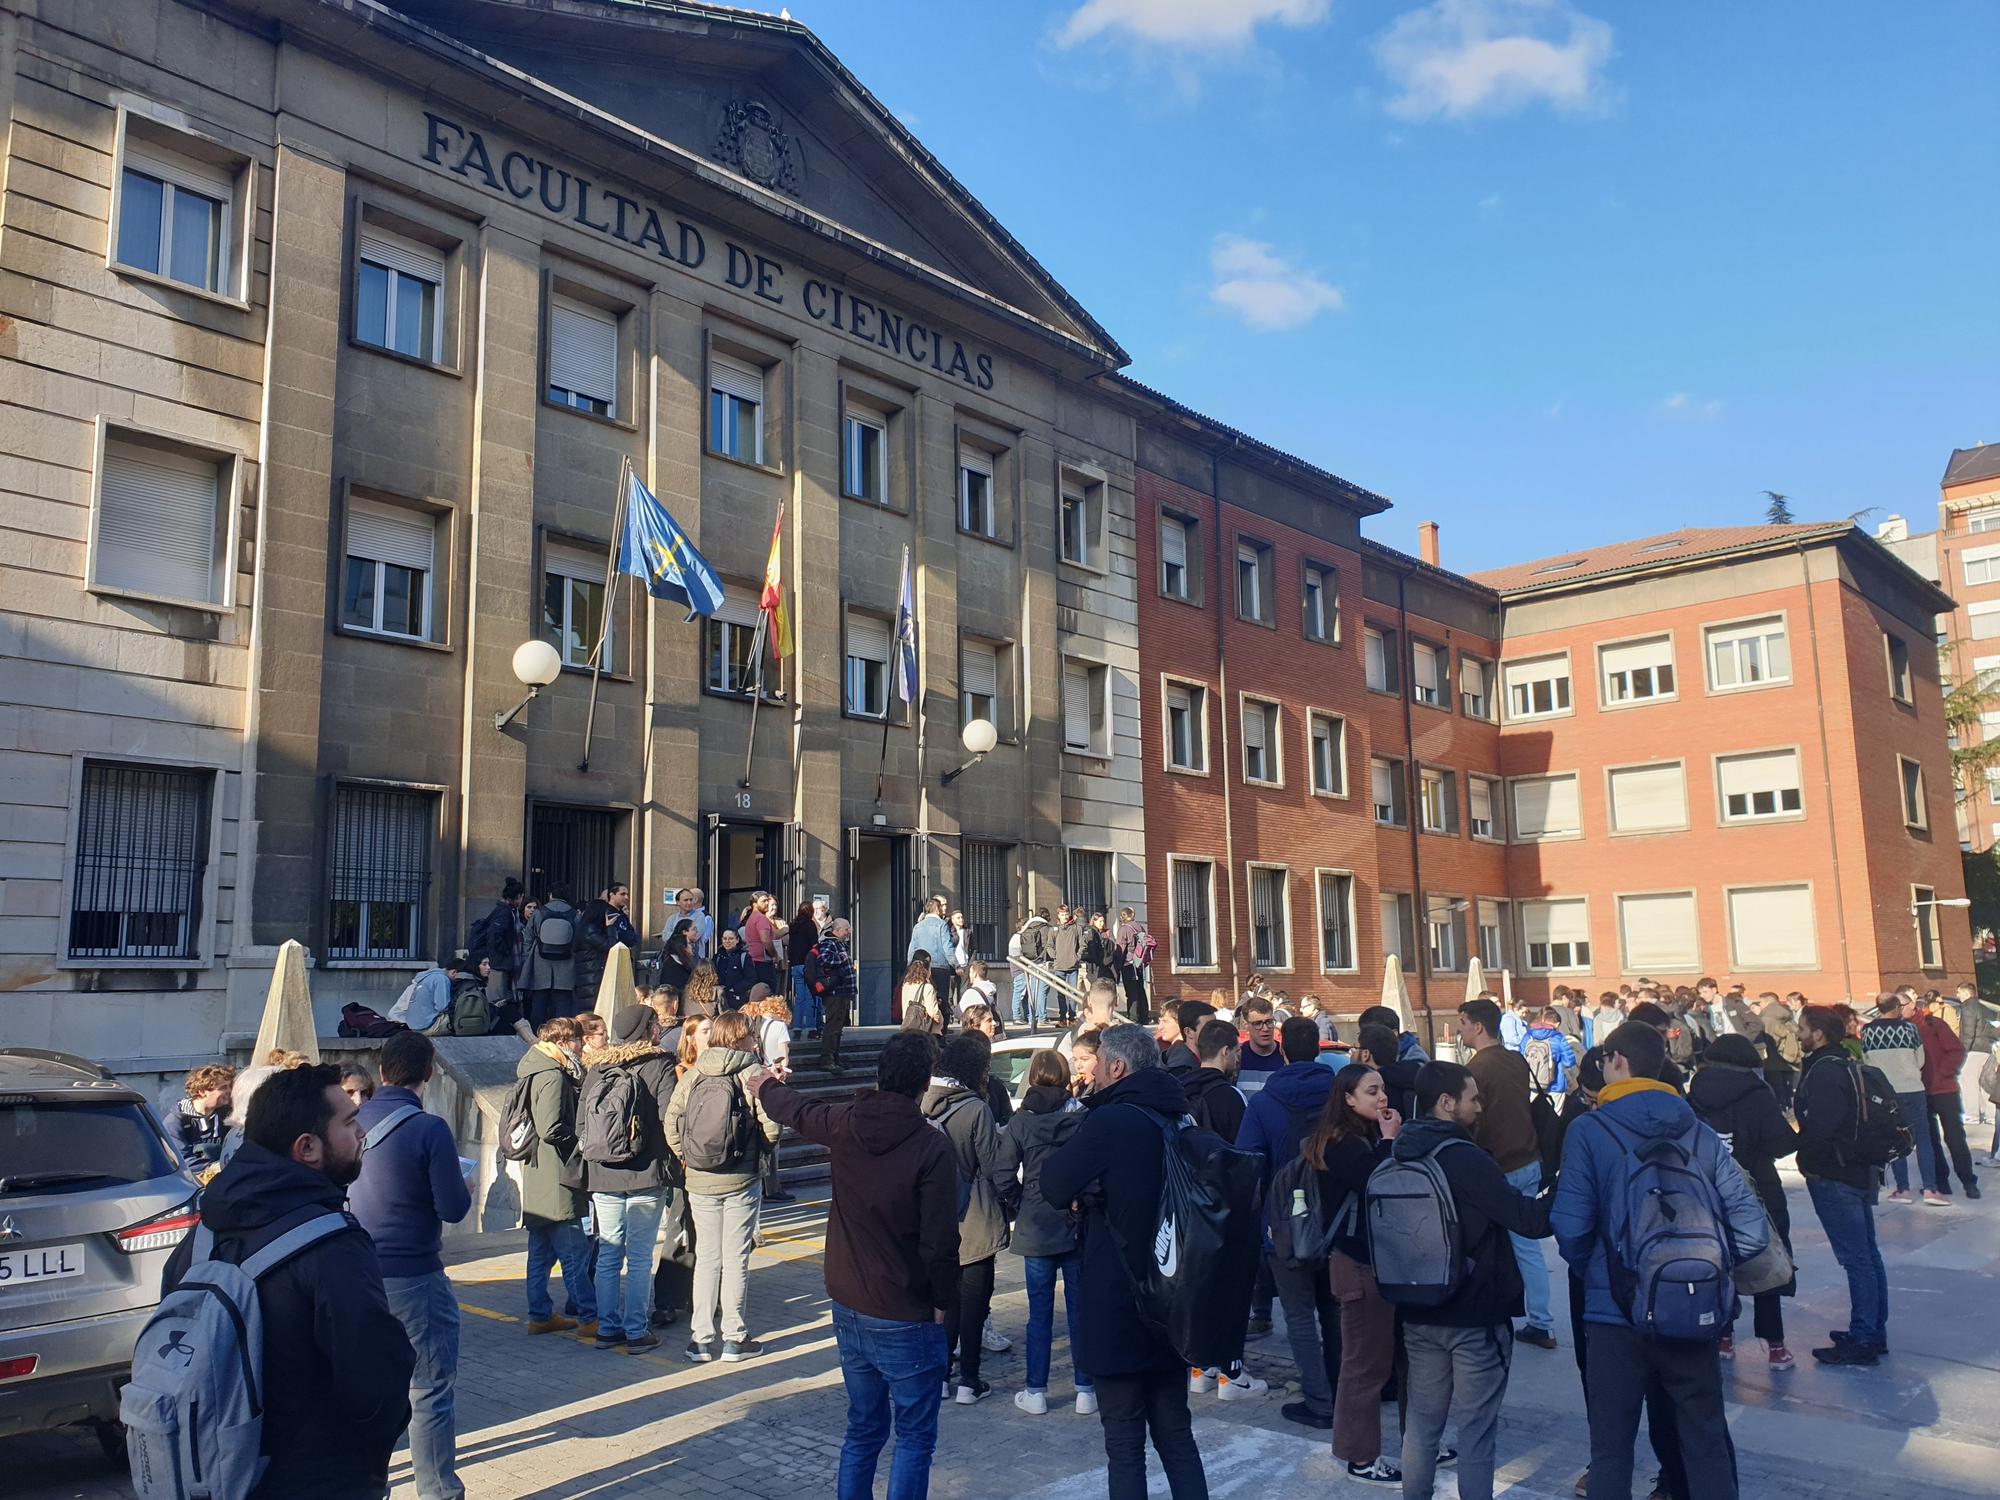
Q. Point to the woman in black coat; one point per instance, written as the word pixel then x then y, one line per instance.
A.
pixel 1730 1096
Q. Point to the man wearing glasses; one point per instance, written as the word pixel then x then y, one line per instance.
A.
pixel 1261 1054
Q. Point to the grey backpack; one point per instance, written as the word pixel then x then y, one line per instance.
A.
pixel 1413 1230
pixel 194 1411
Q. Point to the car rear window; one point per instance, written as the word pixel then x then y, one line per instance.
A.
pixel 47 1146
pixel 1009 1066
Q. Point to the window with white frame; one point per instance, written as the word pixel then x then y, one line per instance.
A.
pixel 866 690
pixel 735 409
pixel 864 458
pixel 1270 927
pixel 1398 916
pixel 1192 884
pixel 1986 519
pixel 1764 784
pixel 1483 792
pixel 1319 603
pixel 1647 799
pixel 1437 800
pixel 583 356
pixel 1556 936
pixel 1898 653
pixel 1336 921
pixel 1260 741
pixel 1381 665
pixel 391 555
pixel 573 618
pixel 1187 727
pixel 1496 943
pixel 1981 564
pixel 176 217
pixel 1253 582
pixel 1180 557
pixel 1546 807
pixel 732 646
pixel 142 848
pixel 1427 674
pixel 1638 671
pixel 1771 927
pixel 1386 791
pixel 1086 728
pixel 399 294
pixel 1081 520
pixel 1537 688
pixel 1327 736
pixel 1748 654
pixel 162 522
pixel 1657 934
pixel 1475 687
pixel 1930 941
pixel 975 492
pixel 1910 777
pixel 1444 933
pixel 379 879
pixel 979 681
pixel 1983 620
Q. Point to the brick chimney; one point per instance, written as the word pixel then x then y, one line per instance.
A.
pixel 1427 542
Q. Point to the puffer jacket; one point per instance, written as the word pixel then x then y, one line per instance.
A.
pixel 1826 1103
pixel 1066 947
pixel 975 1149
pixel 552 1179
pixel 1284 1111
pixel 540 971
pixel 1046 1118
pixel 656 1167
pixel 1738 1105
pixel 722 1062
pixel 1590 1193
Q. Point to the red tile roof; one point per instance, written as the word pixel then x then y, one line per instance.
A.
pixel 1646 552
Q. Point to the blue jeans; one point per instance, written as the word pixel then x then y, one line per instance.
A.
pixel 1063 1003
pixel 428 1310
pixel 1042 1271
pixel 1527 1181
pixel 1916 1111
pixel 1847 1214
pixel 805 1004
pixel 628 1225
pixel 1020 1011
pixel 567 1244
pixel 889 1369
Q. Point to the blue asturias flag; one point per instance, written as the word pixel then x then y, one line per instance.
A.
pixel 906 637
pixel 655 549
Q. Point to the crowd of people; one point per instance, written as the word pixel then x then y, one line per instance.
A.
pixel 646 1148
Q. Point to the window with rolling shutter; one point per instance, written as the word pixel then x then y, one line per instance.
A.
pixel 1444 933
pixel 1270 924
pixel 1556 935
pixel 391 552
pixel 1475 687
pixel 1437 801
pixel 1187 727
pixel 1496 944
pixel 1076 706
pixel 399 301
pixel 979 682
pixel 583 356
pixel 1638 671
pixel 1538 688
pixel 1656 932
pixel 1381 666
pixel 868 650
pixel 1763 785
pixel 1648 799
pixel 1177 578
pixel 1328 744
pixel 176 217
pixel 864 456
pixel 975 492
pixel 573 619
pixel 1427 676
pixel 1192 882
pixel 1260 741
pixel 732 647
pixel 1484 795
pixel 735 409
pixel 160 522
pixel 1546 807
pixel 1399 928
pixel 1386 791
pixel 1771 927
pixel 1751 654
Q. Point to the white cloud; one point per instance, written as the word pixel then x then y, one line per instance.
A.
pixel 1683 407
pixel 1455 59
pixel 1491 201
pixel 1212 25
pixel 1264 289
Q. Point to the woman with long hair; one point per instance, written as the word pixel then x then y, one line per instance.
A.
pixel 800 939
pixel 677 957
pixel 1045 1234
pixel 770 1029
pixel 919 999
pixel 1353 1137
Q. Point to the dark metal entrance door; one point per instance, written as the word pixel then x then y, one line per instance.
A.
pixel 878 904
pixel 574 848
pixel 742 859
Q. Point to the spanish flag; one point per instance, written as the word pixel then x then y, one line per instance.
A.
pixel 772 601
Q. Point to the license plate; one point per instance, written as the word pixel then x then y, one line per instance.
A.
pixel 19 1268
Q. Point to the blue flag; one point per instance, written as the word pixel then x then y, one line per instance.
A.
pixel 655 549
pixel 906 637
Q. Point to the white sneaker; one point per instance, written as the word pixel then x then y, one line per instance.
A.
pixel 1244 1387
pixel 1086 1403
pixel 993 1343
pixel 1034 1403
pixel 1379 1472
pixel 1200 1382
pixel 969 1395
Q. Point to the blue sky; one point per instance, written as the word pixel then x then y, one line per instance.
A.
pixel 1548 273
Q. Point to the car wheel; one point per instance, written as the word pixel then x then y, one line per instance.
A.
pixel 110 1438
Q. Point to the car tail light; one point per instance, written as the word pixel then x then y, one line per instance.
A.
pixel 14 1369
pixel 159 1232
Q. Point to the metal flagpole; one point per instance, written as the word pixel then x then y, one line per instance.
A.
pixel 756 698
pixel 611 577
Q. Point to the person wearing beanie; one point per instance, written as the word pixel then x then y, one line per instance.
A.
pixel 629 1196
pixel 1731 1097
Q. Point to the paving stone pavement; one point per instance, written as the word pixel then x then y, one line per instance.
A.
pixel 541 1418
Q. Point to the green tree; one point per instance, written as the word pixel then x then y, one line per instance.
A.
pixel 1779 511
pixel 1972 754
pixel 1982 885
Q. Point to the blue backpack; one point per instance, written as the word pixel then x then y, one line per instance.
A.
pixel 1667 1247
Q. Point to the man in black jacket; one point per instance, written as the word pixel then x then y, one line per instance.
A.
pixel 1112 1169
pixel 1213 1098
pixel 1179 1026
pixel 1460 1350
pixel 1843 1191
pixel 336 1362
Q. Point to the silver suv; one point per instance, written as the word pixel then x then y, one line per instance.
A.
pixel 92 1202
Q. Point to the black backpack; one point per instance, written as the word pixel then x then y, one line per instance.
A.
pixel 1880 1135
pixel 718 1127
pixel 519 1140
pixel 609 1126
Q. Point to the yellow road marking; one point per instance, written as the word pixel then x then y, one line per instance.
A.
pixel 486 1312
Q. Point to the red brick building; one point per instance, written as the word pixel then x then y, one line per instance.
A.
pixel 1712 752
